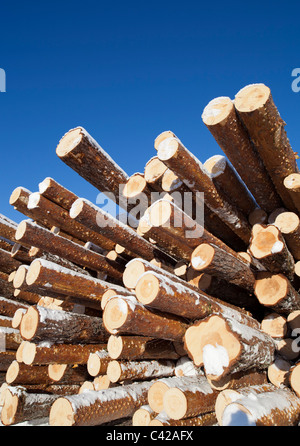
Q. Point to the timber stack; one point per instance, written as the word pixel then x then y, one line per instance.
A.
pixel 182 311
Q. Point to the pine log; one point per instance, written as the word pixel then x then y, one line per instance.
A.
pixel 162 136
pixel 58 216
pixel 5 321
pixel 139 370
pixel 154 172
pixel 6 244
pixel 276 291
pixel 138 193
pixel 265 127
pixel 10 338
pixel 97 407
pixel 222 121
pixel 225 346
pixel 267 245
pixel 84 155
pixel 7 263
pixel 125 315
pixel 288 348
pixel 31 233
pixel 19 373
pixel 279 372
pixel 294 378
pixel 102 382
pixel 227 181
pixel 289 225
pixel 49 353
pixel 36 253
pixel 277 408
pixel 112 291
pixel 143 416
pixel 191 172
pixel 293 321
pixel 20 406
pixel 57 193
pixel 66 373
pixel 275 325
pixel 6 358
pixel 215 261
pixel 292 184
pixel 27 296
pixel 8 307
pixel 240 379
pixel 160 293
pixel 20 253
pixel 42 324
pixel 189 398
pixel 7 228
pixel 206 419
pixel 229 396
pixel 258 216
pixel 138 347
pixel 48 275
pixel 99 220
pixel 98 362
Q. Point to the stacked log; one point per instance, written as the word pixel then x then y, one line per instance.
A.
pixel 184 313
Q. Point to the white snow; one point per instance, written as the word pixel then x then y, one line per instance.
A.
pixel 234 416
pixel 215 359
pixel 277 247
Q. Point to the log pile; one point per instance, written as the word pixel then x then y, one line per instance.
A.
pixel 185 314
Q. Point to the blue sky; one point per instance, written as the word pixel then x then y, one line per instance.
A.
pixel 126 71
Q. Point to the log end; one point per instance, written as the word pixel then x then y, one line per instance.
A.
pixel 69 142
pixel 61 413
pixel 252 97
pixel 175 403
pixel 217 111
pixel 9 409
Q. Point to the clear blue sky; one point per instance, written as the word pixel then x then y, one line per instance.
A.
pixel 126 71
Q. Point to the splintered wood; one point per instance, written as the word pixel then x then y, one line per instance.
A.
pixel 185 310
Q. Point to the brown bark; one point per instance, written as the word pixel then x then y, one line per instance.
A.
pixel 104 406
pixel 153 173
pixel 289 225
pixel 139 370
pixel 66 373
pixel 125 315
pixel 138 347
pixel 158 292
pixel 98 362
pixel 227 181
pixel 8 307
pixel 22 374
pixel 33 234
pixel 7 263
pixel 222 121
pixel 6 358
pixel 190 399
pixel 279 372
pixel 292 184
pixel 57 193
pixel 265 127
pixel 215 261
pixel 83 154
pixel 20 406
pixel 100 221
pixel 41 324
pixel 7 228
pixel 191 172
pixel 143 416
pixel 206 419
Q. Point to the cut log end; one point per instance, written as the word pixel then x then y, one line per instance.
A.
pixel 68 142
pixel 21 229
pixel 270 288
pixel 217 111
pixel 9 409
pixel 93 364
pixel 162 136
pixel 141 417
pixel 134 186
pixel 251 97
pixel 29 352
pixel 237 415
pixel 12 372
pixel 287 222
pixel 29 324
pixel 115 314
pixel 265 241
pixel 147 288
pixel 156 396
pixel 61 413
pixel 175 403
pixel 202 256
pixel 114 346
pixel 132 272
pixel 114 371
pixel 56 371
pixel 168 148
pixel 160 213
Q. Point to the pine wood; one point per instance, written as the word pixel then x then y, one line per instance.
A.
pixel 57 193
pixel 237 380
pixel 245 347
pixel 118 371
pixel 7 263
pixel 5 321
pixel 112 291
pixel 162 136
pixel 279 372
pixel 292 184
pixel 84 155
pixel 215 261
pixel 8 307
pixel 293 320
pixel 6 287
pixel 138 192
pixel 189 399
pixel 222 121
pixel 277 408
pixel 19 373
pixel 275 325
pixel 124 315
pixel 265 127
pixel 41 324
pixel 289 225
pixel 139 347
pixel 268 245
pixel 10 338
pixel 95 218
pixel 154 173
pixel 191 172
pixel 33 354
pixel 7 227
pixel 227 181
pixel 160 293
pixel 20 406
pixel 6 358
pixel 98 362
pixel 103 406
pixel 206 419
pixel 143 416
pixel 30 233
pixel 66 373
pixel 276 291
pixel 287 348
